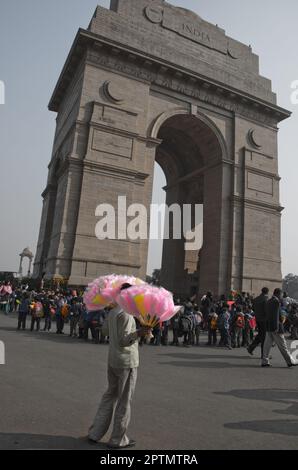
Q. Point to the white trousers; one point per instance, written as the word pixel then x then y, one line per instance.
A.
pixel 281 343
pixel 122 383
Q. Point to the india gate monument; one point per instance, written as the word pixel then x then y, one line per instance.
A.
pixel 149 82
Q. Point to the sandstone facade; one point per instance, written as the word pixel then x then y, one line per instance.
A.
pixel 149 82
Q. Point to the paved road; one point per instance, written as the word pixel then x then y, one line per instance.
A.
pixel 198 398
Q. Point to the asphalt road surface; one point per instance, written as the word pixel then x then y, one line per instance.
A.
pixel 198 398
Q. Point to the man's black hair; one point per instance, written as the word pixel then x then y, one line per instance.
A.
pixel 265 291
pixel 277 292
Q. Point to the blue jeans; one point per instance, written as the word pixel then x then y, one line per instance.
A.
pixel 225 337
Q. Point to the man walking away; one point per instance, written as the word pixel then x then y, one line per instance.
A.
pixel 259 308
pixel 123 364
pixel 275 331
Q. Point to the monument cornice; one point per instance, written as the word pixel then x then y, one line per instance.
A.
pixel 112 170
pixel 254 203
pixel 50 187
pixel 258 171
pixel 85 39
pixel 114 130
pixel 247 277
pixel 93 260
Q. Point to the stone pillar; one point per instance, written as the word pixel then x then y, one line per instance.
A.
pixel 173 272
pixel 29 269
pixel 21 266
pixel 214 265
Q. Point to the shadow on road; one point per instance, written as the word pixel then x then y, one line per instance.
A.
pixel 208 365
pixel 208 356
pixel 284 427
pixel 36 441
pixel 199 361
pixel 286 397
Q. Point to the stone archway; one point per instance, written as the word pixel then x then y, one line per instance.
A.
pixel 191 154
pixel 26 253
pixel 165 85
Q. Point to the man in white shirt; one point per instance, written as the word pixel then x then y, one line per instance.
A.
pixel 123 364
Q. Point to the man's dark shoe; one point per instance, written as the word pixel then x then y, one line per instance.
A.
pixel 92 442
pixel 292 365
pixel 250 351
pixel 266 365
pixel 131 443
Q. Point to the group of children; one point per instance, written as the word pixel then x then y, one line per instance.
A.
pixel 227 323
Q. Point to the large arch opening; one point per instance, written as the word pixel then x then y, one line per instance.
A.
pixel 190 155
pixel 155 247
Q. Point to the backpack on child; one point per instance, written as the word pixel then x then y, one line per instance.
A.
pixel 240 321
pixel 213 324
pixel 184 325
pixel 38 310
pixel 65 310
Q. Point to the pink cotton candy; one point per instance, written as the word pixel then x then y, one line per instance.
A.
pixel 103 291
pixel 149 304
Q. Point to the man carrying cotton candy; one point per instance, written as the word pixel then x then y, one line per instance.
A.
pixel 151 306
pixel 123 363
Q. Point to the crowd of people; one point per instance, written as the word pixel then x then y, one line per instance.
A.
pixel 234 322
pixel 49 310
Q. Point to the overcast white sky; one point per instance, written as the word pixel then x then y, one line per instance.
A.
pixel 35 37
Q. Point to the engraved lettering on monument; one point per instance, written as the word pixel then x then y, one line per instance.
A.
pixel 189 30
pixel 192 30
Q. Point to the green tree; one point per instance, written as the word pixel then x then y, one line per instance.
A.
pixel 290 285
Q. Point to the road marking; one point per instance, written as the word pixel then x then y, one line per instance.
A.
pixel 2 353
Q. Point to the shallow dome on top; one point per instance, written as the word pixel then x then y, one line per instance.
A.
pixel 189 13
pixel 27 253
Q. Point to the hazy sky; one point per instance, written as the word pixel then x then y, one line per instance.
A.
pixel 35 37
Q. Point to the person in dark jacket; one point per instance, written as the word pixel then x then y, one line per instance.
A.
pixel 259 308
pixel 175 326
pixel 275 331
pixel 206 305
pixel 24 310
pixel 46 302
pixel 75 311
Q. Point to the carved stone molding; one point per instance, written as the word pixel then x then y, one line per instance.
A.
pixel 154 13
pixel 112 93
pixel 162 76
pixel 255 138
